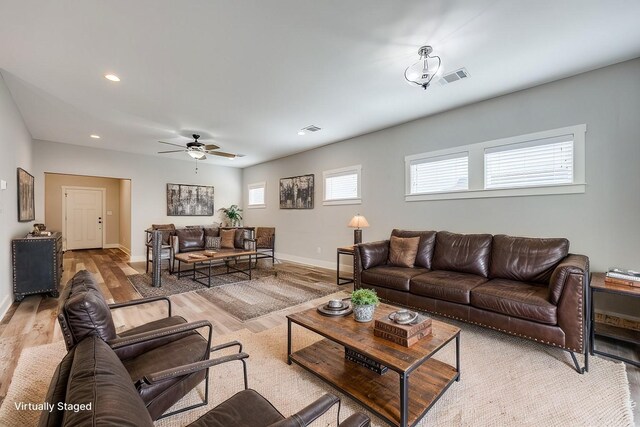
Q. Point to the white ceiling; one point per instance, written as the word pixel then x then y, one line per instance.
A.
pixel 250 74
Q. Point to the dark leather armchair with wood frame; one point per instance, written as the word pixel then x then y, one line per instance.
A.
pixel 148 352
pixel 265 243
pixel 92 373
pixel 168 230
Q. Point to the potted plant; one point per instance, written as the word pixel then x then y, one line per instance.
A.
pixel 364 303
pixel 233 214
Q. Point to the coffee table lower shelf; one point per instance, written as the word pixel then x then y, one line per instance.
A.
pixel 379 393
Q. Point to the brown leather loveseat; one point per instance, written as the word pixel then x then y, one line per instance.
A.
pixel 529 287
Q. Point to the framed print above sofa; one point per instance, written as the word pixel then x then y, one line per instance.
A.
pixel 189 200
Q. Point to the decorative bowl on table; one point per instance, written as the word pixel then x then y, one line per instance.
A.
pixel 335 307
pixel 403 317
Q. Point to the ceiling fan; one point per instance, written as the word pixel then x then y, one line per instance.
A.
pixel 199 150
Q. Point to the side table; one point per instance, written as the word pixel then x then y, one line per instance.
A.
pixel 599 329
pixel 343 250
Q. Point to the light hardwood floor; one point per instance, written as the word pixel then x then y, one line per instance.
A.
pixel 33 322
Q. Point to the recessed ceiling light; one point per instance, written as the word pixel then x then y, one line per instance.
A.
pixel 112 77
pixel 301 133
pixel 94 136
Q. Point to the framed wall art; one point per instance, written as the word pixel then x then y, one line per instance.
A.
pixel 296 192
pixel 26 205
pixel 189 200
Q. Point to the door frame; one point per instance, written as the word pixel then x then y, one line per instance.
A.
pixel 64 211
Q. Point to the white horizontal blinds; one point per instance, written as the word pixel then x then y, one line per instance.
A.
pixel 542 162
pixel 441 173
pixel 256 196
pixel 341 186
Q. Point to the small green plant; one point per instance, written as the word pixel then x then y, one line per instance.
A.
pixel 364 297
pixel 233 213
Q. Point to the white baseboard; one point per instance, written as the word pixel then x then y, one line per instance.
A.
pixel 307 261
pixel 137 258
pixel 125 249
pixel 4 306
pixel 111 246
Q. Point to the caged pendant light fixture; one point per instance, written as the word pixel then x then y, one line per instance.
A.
pixel 422 72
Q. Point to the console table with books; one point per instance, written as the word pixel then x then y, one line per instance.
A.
pixel 616 287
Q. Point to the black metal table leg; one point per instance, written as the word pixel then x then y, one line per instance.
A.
pixel 209 275
pixel 458 355
pixel 288 341
pixel 404 399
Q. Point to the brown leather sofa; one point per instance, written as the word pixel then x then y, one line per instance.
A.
pixel 163 344
pixel 529 287
pixel 95 388
pixel 192 239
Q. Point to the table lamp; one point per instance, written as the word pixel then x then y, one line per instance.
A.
pixel 358 222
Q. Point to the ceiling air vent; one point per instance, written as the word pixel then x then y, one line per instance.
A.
pixel 454 76
pixel 311 128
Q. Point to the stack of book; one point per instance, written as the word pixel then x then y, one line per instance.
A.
pixel 620 276
pixel 363 360
pixel 405 335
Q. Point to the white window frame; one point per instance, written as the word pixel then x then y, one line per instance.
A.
pixel 254 186
pixel 476 168
pixel 357 169
pixel 428 159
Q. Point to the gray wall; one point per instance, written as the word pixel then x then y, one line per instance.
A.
pixel 602 223
pixel 15 152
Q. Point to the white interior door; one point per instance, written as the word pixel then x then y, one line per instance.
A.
pixel 83 216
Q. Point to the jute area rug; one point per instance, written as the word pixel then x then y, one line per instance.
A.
pixel 506 381
pixel 171 285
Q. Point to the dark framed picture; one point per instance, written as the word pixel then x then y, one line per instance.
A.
pixel 296 192
pixel 26 205
pixel 189 200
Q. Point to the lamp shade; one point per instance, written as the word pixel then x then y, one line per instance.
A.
pixel 358 221
pixel 198 155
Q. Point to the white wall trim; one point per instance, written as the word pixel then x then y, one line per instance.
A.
pixel 137 258
pixel 125 249
pixel 307 261
pixel 110 246
pixel 4 306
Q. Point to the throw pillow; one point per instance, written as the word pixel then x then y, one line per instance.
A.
pixel 403 251
pixel 212 242
pixel 227 238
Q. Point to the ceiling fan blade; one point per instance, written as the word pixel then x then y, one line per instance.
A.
pixel 211 147
pixel 171 143
pixel 223 154
pixel 172 151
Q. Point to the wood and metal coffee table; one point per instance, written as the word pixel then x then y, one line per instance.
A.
pixel 203 262
pixel 393 397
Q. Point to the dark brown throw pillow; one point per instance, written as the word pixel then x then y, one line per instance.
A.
pixel 403 251
pixel 227 238
pixel 212 242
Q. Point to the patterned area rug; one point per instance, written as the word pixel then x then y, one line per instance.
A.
pixel 506 381
pixel 255 298
pixel 171 285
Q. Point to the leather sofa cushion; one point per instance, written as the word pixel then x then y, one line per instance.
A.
pixel 446 285
pixel 191 348
pixel 516 299
pixel 245 408
pixel 425 248
pixel 167 231
pixel 464 253
pixel 83 281
pixel 190 239
pixel 212 231
pixel 389 276
pixel 227 239
pixel 373 254
pixel 526 259
pixel 87 313
pixel 403 250
pixel 240 235
pixel 98 377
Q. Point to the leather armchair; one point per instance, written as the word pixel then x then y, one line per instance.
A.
pixel 159 346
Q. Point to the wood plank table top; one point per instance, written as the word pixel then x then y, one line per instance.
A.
pixel 359 336
pixel 218 254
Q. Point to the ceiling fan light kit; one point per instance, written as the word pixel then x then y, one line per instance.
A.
pixel 198 150
pixel 422 72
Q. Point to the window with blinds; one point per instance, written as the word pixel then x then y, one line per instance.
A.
pixel 256 195
pixel 342 186
pixel 536 163
pixel 439 174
